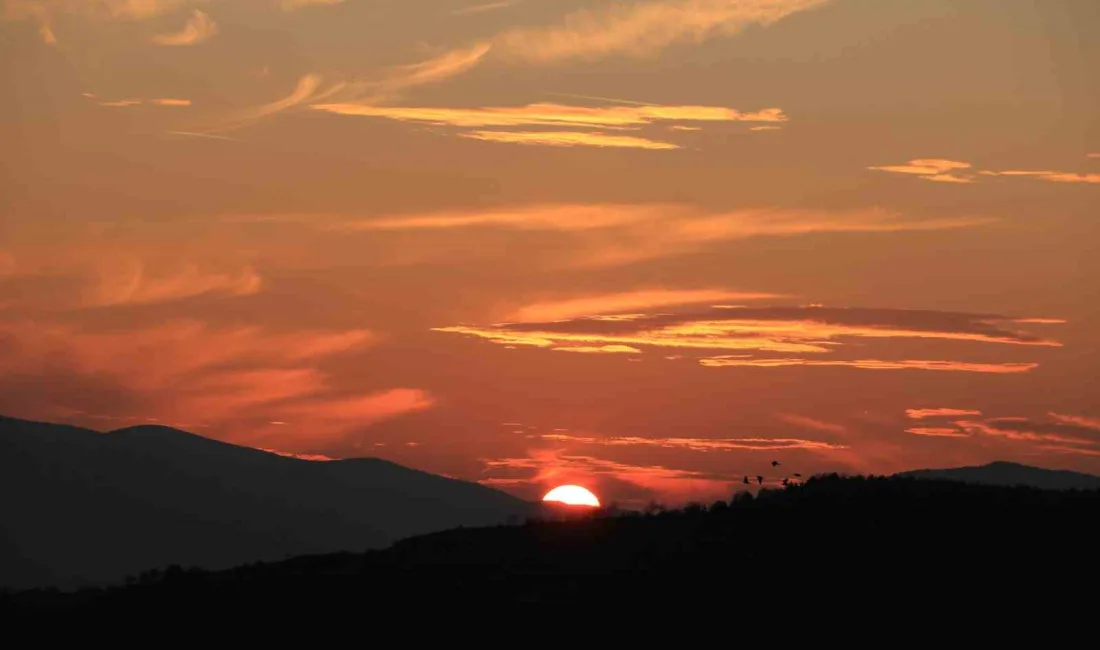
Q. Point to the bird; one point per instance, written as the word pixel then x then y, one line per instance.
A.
pixel 797 475
pixel 746 481
pixel 786 482
pixel 775 463
pixel 760 480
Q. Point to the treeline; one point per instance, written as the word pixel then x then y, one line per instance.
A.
pixel 830 535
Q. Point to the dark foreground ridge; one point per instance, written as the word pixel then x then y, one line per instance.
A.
pixel 885 539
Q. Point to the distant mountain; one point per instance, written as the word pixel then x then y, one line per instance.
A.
pixel 1011 474
pixel 79 507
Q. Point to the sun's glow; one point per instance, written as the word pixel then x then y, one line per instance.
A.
pixel 573 495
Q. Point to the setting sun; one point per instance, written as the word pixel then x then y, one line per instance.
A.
pixel 573 495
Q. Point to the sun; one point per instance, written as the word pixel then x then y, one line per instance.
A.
pixel 573 495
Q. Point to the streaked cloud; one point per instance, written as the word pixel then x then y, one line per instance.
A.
pixel 293 5
pixel 812 423
pixel 1058 433
pixel 639 29
pixel 314 457
pixel 608 235
pixel 602 349
pixel 698 444
pixel 568 139
pixel 772 329
pixel 1076 420
pixel 943 171
pixel 937 432
pixel 873 364
pixel 199 27
pixel 921 414
pixel 484 8
pixel 554 115
pixel 157 101
pixel 612 303
pixel 123 281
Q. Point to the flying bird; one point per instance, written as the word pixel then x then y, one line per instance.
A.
pixel 786 482
pixel 797 475
pixel 775 463
pixel 760 480
pixel 746 481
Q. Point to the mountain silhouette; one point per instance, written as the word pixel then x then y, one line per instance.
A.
pixel 1010 475
pixel 82 507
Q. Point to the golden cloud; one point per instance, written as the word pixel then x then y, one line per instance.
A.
pixel 617 303
pixel 938 170
pixel 484 8
pixel 125 281
pixel 553 115
pixel 937 432
pixel 874 364
pixel 699 444
pixel 568 139
pixel 639 28
pixel 920 414
pixel 199 27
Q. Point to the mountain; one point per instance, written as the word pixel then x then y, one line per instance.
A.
pixel 1010 474
pixel 80 507
pixel 820 551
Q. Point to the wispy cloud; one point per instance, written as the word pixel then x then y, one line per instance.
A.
pixel 484 8
pixel 607 235
pixel 937 432
pixel 639 28
pixel 803 330
pixel 158 101
pixel 1076 420
pixel 921 414
pixel 293 5
pixel 618 303
pixel 943 171
pixel 1060 433
pixel 602 349
pixel 813 424
pixel 698 444
pixel 554 115
pixel 569 139
pixel 873 364
pixel 199 27
pixel 125 281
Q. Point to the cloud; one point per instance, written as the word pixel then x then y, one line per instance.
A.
pixel 617 303
pixel 1055 432
pixel 169 101
pixel 939 170
pixel 294 5
pixel 811 423
pixel 698 444
pixel 568 139
pixel 874 364
pixel 439 68
pixel 199 27
pixel 937 432
pixel 602 349
pixel 484 8
pixel 804 330
pixel 124 281
pixel 771 329
pixel 553 115
pixel 121 103
pixel 920 414
pixel 234 380
pixel 639 29
pixel 1076 420
pixel 543 469
pixel 607 235
pixel 766 128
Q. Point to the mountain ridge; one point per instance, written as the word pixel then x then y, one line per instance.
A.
pixel 110 505
pixel 1009 474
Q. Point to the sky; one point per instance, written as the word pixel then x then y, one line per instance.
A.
pixel 646 246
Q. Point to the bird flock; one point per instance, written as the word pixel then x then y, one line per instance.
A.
pixel 785 482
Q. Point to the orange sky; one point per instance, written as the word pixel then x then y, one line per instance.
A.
pixel 647 247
